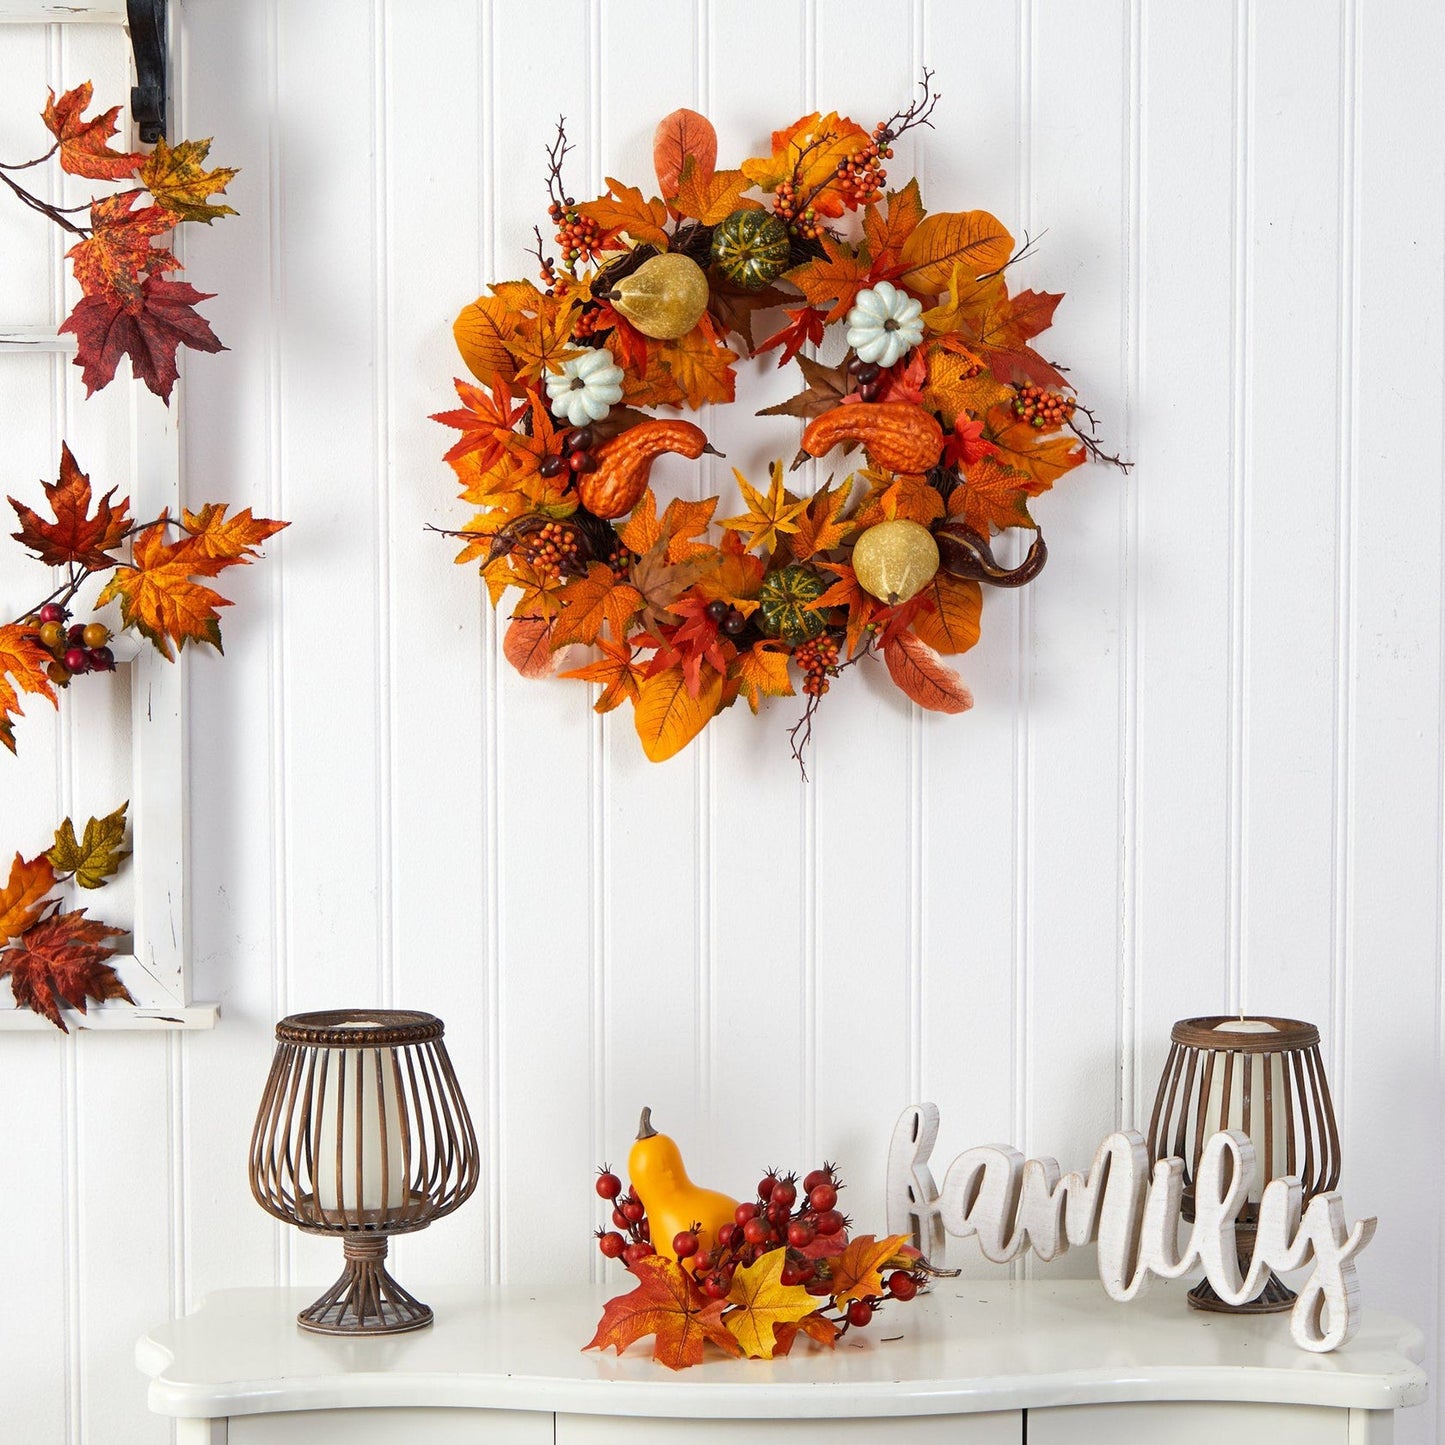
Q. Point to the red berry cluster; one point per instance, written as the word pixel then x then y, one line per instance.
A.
pixel 555 550
pixel 631 1239
pixel 576 455
pixel 579 236
pixel 589 321
pixel 77 648
pixel 800 219
pixel 728 618
pixel 861 176
pixel 868 378
pixel 622 559
pixel 818 657
pixel 1042 408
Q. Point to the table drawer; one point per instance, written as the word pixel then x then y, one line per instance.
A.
pixel 414 1426
pixel 1000 1428
pixel 1189 1423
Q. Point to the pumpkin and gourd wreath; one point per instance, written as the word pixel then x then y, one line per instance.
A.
pixel 951 422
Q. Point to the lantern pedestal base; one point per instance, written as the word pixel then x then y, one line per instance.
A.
pixel 366 1300
pixel 1274 1298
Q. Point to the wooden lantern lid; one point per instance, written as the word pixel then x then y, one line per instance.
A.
pixel 1286 1036
pixel 359 1029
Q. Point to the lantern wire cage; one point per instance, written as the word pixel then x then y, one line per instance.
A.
pixel 362 1133
pixel 1269 1084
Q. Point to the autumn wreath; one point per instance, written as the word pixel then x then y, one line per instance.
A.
pixel 960 422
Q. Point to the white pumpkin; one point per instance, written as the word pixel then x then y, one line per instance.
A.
pixel 885 324
pixel 586 388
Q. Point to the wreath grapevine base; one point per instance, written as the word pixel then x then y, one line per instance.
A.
pixel 955 422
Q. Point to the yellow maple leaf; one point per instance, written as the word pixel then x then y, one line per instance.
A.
pixel 620 677
pixel 764 1302
pixel 176 179
pixel 762 671
pixel 96 855
pixel 766 516
pixel 234 538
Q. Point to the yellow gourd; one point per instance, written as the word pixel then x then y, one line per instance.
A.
pixel 673 1202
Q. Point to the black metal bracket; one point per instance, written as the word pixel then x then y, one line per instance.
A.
pixel 148 42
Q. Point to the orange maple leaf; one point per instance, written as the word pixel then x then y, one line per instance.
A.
pixel 838 278
pixel 822 527
pixel 992 496
pixel 847 592
pixel 116 257
pixel 25 660
pixel 76 535
pixel 484 419
pixel 229 539
pixel 669 1306
pixel 809 153
pixel 711 196
pixel 61 960
pixel 539 343
pixel 1030 450
pixel 762 671
pixel 623 209
pixel 699 363
pixel 22 899
pixel 763 1302
pixel 857 1272
pixel 531 449
pixel 158 596
pixel 886 231
pixel 615 670
pixel 81 142
pixel 592 601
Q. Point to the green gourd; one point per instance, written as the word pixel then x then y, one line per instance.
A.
pixel 751 248
pixel 783 604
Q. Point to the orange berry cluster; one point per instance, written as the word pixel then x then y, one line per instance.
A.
pixel 579 236
pixel 75 648
pixel 554 551
pixel 818 658
pixel 587 322
pixel 1042 408
pixel 621 559
pixel 861 176
pixel 788 208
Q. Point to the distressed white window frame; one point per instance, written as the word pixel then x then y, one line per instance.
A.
pixel 156 971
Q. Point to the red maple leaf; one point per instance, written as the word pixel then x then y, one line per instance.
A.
pixel 62 960
pixel 115 258
pixel 76 535
pixel 484 421
pixel 668 1305
pixel 966 444
pixel 148 330
pixel 805 325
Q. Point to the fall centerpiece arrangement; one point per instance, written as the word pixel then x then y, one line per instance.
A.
pixel 942 417
pixel 53 955
pixel 747 1277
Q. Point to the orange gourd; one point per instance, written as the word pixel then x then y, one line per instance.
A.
pixel 624 462
pixel 898 436
pixel 673 1202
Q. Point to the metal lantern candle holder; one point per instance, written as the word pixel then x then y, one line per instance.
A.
pixel 362 1133
pixel 1263 1077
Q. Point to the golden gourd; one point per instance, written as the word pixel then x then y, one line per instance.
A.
pixel 673 1202
pixel 895 560
pixel 664 298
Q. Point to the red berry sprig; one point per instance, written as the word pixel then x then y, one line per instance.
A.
pixel 818 658
pixel 1043 409
pixel 579 236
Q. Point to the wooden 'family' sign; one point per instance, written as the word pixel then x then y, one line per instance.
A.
pixel 1015 1204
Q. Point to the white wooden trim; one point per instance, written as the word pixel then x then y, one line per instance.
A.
pixel 18 12
pixel 155 970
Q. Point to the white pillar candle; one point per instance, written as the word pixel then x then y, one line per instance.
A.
pixel 350 1095
pixel 1268 1134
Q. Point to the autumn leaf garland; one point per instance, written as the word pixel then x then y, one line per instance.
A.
pixel 55 957
pixel 129 305
pixel 952 435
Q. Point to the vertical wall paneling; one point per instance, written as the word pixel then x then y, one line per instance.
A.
pixel 1204 767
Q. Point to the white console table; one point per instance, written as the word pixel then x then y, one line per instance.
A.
pixel 976 1364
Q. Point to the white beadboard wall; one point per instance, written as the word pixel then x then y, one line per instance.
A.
pixel 1205 767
